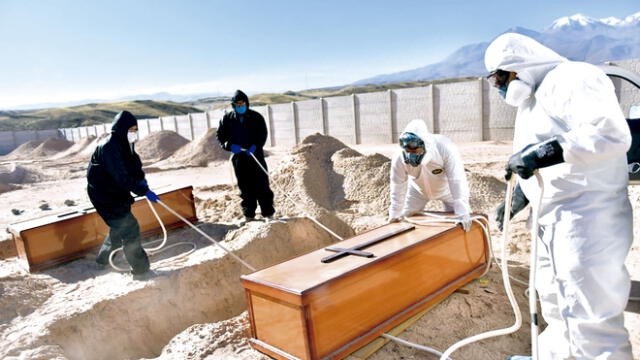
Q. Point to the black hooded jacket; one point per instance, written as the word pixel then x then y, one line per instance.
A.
pixel 252 130
pixel 115 170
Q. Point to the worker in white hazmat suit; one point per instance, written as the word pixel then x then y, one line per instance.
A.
pixel 427 167
pixel 570 128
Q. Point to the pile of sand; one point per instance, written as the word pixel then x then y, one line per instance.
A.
pixel 21 174
pixel 23 151
pixel 76 148
pixel 198 152
pixel 85 154
pixel 159 145
pixel 51 146
pixel 222 340
pixel 21 294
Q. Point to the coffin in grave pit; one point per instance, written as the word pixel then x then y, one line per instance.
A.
pixel 53 239
pixel 305 308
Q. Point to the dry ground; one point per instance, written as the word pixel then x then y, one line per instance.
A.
pixel 194 307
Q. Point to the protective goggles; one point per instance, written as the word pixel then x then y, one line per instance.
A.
pixel 498 78
pixel 411 143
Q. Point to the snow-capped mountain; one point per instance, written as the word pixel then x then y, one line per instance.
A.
pixel 576 37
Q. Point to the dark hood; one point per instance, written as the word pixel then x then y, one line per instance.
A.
pixel 121 124
pixel 239 95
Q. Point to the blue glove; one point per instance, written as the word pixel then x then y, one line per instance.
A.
pixel 236 149
pixel 251 150
pixel 152 196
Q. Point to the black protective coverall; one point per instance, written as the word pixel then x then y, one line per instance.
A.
pixel 115 170
pixel 246 130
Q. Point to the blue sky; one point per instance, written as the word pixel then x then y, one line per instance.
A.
pixel 63 50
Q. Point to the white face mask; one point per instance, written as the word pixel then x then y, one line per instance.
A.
pixel 132 136
pixel 517 92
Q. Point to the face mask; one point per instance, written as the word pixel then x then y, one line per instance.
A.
pixel 502 90
pixel 518 92
pixel 132 136
pixel 241 109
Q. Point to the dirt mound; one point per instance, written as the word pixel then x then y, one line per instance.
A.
pixel 159 145
pixel 222 340
pixel 198 152
pixel 23 151
pixel 329 180
pixel 307 174
pixel 20 174
pixel 4 187
pixel 51 146
pixel 20 295
pixel 76 148
pixel 486 193
pixel 89 149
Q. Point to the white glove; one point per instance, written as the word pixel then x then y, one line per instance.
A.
pixel 465 221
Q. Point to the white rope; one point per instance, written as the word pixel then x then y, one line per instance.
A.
pixel 413 345
pixel 296 204
pixel 507 286
pixel 533 305
pixel 154 250
pixel 207 236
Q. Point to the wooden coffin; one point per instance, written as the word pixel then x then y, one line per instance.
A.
pixel 306 309
pixel 53 239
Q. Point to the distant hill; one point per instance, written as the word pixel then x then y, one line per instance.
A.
pixel 288 96
pixel 90 114
pixel 577 37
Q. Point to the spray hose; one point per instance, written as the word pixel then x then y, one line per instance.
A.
pixel 154 250
pixel 161 247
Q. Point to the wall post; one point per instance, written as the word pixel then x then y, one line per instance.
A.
pixel 325 121
pixel 392 119
pixel 272 135
pixel 434 121
pixel 356 120
pixel 191 126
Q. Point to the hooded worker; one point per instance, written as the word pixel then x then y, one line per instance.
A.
pixel 244 133
pixel 570 128
pixel 114 172
pixel 427 167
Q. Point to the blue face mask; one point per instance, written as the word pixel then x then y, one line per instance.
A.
pixel 241 109
pixel 502 90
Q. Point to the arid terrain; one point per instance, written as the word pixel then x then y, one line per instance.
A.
pixel 194 307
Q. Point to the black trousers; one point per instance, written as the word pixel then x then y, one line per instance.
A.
pixel 125 232
pixel 253 184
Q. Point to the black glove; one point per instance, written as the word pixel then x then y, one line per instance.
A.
pixel 533 157
pixel 518 202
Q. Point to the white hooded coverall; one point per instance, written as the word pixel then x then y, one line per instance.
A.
pixel 585 216
pixel 440 176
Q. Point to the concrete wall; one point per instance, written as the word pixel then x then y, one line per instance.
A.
pixel 464 111
pixel 9 140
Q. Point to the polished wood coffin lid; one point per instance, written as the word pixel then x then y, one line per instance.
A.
pixel 306 309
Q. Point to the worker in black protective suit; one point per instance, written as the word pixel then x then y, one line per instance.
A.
pixel 115 170
pixel 244 132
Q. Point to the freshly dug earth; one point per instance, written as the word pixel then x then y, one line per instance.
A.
pixel 198 152
pixel 50 146
pixel 159 145
pixel 194 307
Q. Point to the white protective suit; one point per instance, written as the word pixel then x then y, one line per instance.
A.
pixel 440 176
pixel 585 217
